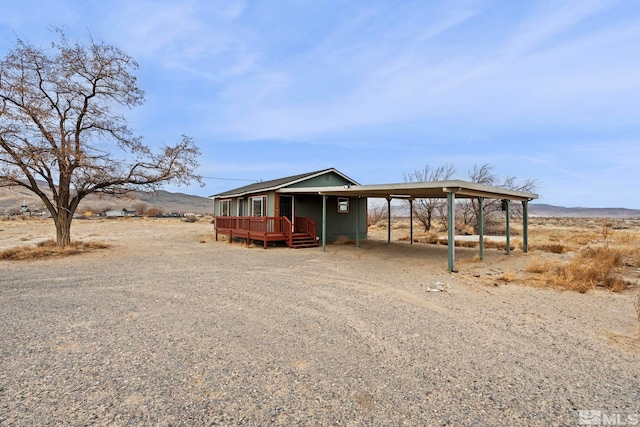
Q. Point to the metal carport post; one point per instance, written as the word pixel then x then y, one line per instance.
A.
pixel 388 220
pixel 324 223
pixel 481 225
pixel 451 244
pixel 525 226
pixel 357 221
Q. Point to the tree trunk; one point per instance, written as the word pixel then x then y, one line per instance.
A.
pixel 63 228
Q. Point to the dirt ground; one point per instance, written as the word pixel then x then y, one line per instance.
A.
pixel 170 327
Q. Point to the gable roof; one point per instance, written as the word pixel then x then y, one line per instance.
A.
pixel 275 184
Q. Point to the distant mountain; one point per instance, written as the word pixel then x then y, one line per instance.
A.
pixel 540 209
pixel 12 198
pixel 176 202
pixel 401 209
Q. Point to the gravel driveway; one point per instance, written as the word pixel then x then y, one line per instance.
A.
pixel 170 328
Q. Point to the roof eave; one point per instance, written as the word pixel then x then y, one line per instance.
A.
pixel 436 189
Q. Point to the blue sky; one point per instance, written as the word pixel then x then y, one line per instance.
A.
pixel 548 90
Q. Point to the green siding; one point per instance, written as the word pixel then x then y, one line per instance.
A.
pixel 308 205
pixel 338 224
pixel 326 180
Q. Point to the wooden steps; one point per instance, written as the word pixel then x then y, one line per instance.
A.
pixel 303 240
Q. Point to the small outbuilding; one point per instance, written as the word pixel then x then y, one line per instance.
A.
pixel 114 213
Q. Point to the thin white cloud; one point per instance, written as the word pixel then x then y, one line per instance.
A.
pixel 186 36
pixel 400 81
pixel 410 84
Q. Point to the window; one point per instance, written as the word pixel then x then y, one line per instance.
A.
pixel 241 208
pixel 258 206
pixel 225 207
pixel 343 205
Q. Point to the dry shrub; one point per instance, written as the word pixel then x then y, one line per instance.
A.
pixel 432 238
pixel 342 240
pixel 627 238
pixel 381 225
pixel 400 225
pixel 459 243
pixel 48 249
pixel 247 244
pixel 591 267
pixel 507 277
pixel 376 214
pixel 556 248
pixel 540 266
pixel 492 244
pixel 465 229
pixel 637 305
pixel 632 257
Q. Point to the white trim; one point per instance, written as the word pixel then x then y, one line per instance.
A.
pixel 230 205
pixel 263 205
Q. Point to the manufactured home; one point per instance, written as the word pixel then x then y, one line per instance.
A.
pixel 327 204
pixel 281 210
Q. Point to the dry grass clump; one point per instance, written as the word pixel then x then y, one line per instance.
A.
pixel 591 267
pixel 502 245
pixel 459 243
pixel 626 238
pixel 400 225
pixel 246 244
pixel 342 240
pixel 632 257
pixel 49 249
pixel 507 277
pixel 539 266
pixel 431 238
pixel 466 243
pixel 555 248
pixel 637 305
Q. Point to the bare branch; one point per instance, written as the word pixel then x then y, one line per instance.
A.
pixel 426 210
pixel 59 123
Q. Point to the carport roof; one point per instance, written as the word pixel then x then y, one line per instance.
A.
pixel 416 190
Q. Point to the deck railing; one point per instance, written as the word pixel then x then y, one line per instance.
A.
pixel 265 228
pixel 306 225
pixel 287 229
pixel 259 224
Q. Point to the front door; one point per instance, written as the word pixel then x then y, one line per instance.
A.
pixel 286 207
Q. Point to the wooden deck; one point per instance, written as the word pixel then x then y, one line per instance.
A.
pixel 269 229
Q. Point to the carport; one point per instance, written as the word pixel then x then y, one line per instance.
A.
pixel 449 190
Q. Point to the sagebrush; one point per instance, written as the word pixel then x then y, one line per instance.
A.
pixel 47 249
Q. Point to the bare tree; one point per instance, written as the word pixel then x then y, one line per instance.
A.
pixel 60 123
pixel 468 209
pixel 153 212
pixel 375 213
pixel 140 208
pixel 426 209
